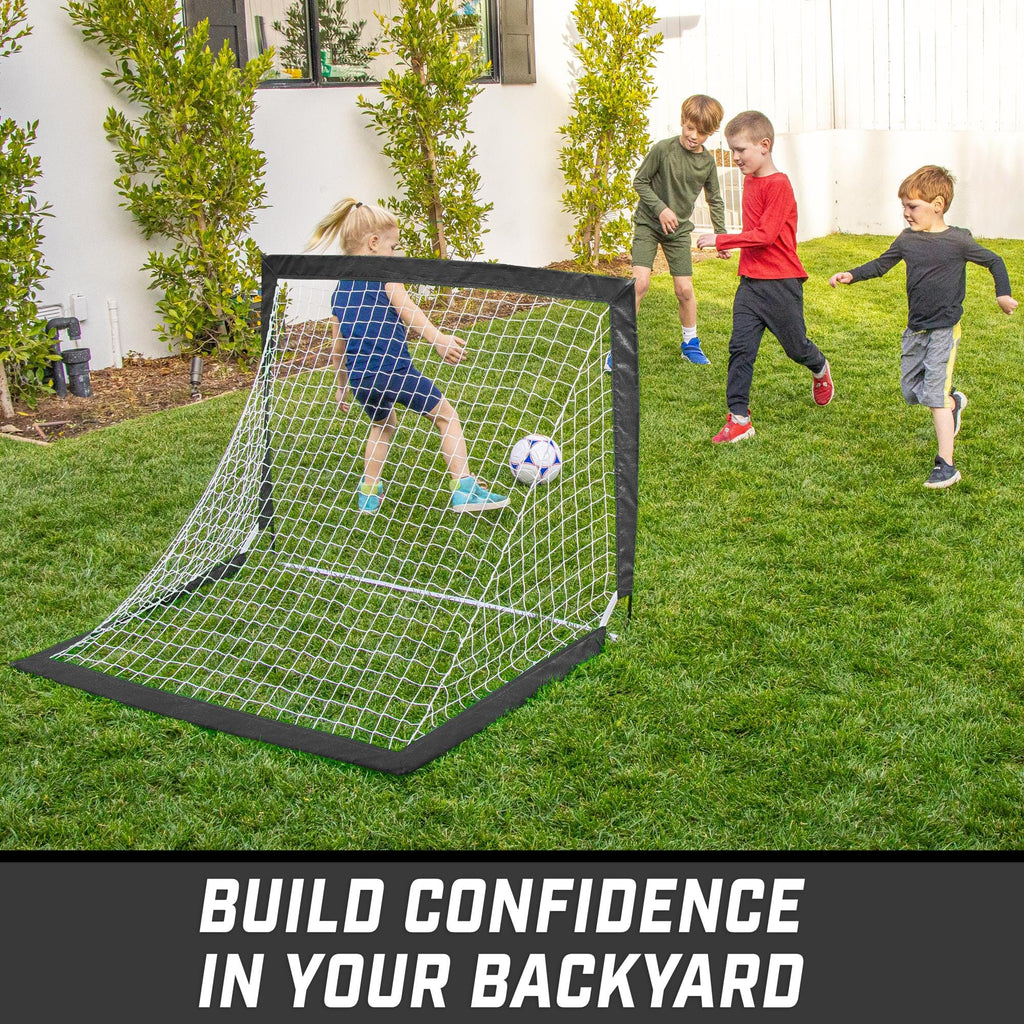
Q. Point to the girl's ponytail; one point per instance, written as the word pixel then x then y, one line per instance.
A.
pixel 349 223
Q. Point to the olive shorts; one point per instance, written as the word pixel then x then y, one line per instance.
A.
pixel 675 246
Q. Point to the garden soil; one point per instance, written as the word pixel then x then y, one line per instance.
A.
pixel 142 386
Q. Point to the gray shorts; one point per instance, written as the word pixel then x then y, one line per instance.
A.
pixel 926 366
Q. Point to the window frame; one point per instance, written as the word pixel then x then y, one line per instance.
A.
pixel 318 81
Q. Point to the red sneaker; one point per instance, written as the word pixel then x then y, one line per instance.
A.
pixel 823 389
pixel 733 431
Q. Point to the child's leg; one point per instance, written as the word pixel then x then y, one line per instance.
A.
pixel 642 282
pixel 686 299
pixel 644 251
pixel 747 330
pixel 937 355
pixel 453 441
pixel 783 312
pixel 377 444
pixel 943 420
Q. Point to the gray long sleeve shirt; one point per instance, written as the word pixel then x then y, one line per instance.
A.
pixel 936 273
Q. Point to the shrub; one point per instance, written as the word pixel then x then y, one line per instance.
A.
pixel 606 135
pixel 24 347
pixel 189 170
pixel 423 116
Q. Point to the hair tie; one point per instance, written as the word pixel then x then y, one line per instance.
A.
pixel 358 205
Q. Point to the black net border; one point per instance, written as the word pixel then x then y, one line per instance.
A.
pixel 618 293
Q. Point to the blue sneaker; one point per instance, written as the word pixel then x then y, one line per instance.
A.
pixel 469 496
pixel 369 498
pixel 608 363
pixel 691 350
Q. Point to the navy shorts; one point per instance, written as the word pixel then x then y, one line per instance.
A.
pixel 379 391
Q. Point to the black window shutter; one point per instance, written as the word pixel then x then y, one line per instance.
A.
pixel 516 42
pixel 227 22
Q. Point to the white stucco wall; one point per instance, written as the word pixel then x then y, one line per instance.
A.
pixel 92 246
pixel 515 129
pixel 845 152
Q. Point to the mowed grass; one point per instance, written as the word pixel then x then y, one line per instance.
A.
pixel 381 627
pixel 822 655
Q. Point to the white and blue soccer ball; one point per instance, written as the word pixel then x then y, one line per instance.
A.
pixel 535 459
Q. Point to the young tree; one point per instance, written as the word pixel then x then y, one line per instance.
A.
pixel 24 348
pixel 189 171
pixel 341 38
pixel 606 135
pixel 423 116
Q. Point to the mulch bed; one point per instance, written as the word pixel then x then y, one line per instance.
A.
pixel 143 386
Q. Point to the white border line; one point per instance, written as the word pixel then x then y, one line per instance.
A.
pixel 430 593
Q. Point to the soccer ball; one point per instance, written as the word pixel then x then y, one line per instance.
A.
pixel 535 459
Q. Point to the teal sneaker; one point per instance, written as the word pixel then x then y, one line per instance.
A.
pixel 469 496
pixel 369 498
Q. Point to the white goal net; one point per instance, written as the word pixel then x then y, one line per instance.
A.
pixel 283 610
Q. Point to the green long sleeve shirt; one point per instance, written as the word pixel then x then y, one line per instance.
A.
pixel 671 176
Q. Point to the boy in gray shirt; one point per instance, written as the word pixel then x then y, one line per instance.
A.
pixel 936 256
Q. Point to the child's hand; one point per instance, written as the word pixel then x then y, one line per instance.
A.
pixel 341 397
pixel 450 348
pixel 706 242
pixel 669 220
pixel 1006 303
pixel 842 278
pixel 724 254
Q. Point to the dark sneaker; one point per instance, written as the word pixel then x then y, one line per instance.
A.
pixel 692 351
pixel 823 389
pixel 733 431
pixel 959 404
pixel 943 475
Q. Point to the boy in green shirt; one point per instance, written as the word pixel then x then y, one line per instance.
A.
pixel 669 181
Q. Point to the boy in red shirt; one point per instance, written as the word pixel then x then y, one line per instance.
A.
pixel 770 294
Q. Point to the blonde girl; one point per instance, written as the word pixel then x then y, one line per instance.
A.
pixel 371 323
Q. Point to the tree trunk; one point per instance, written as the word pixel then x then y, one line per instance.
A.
pixel 440 245
pixel 6 405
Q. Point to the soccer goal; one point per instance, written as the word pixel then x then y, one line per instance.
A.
pixel 282 612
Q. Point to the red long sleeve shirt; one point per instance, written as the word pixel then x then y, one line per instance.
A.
pixel 767 243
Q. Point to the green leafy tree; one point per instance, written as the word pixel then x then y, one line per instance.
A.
pixel 341 38
pixel 190 173
pixel 424 118
pixel 24 347
pixel 607 135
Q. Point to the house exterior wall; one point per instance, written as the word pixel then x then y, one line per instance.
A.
pixel 860 94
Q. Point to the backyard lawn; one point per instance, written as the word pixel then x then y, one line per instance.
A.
pixel 822 655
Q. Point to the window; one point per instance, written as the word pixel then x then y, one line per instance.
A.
pixel 331 42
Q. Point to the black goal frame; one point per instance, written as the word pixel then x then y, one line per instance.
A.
pixel 619 295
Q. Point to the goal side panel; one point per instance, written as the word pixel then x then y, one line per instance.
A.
pixel 275 532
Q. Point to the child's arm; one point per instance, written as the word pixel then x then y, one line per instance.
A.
pixel 654 203
pixel 778 201
pixel 997 268
pixel 716 207
pixel 873 268
pixel 338 363
pixel 450 347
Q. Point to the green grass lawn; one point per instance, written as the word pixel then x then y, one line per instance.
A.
pixel 823 654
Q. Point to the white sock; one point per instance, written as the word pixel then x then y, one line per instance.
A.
pixel 741 420
pixel 689 333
